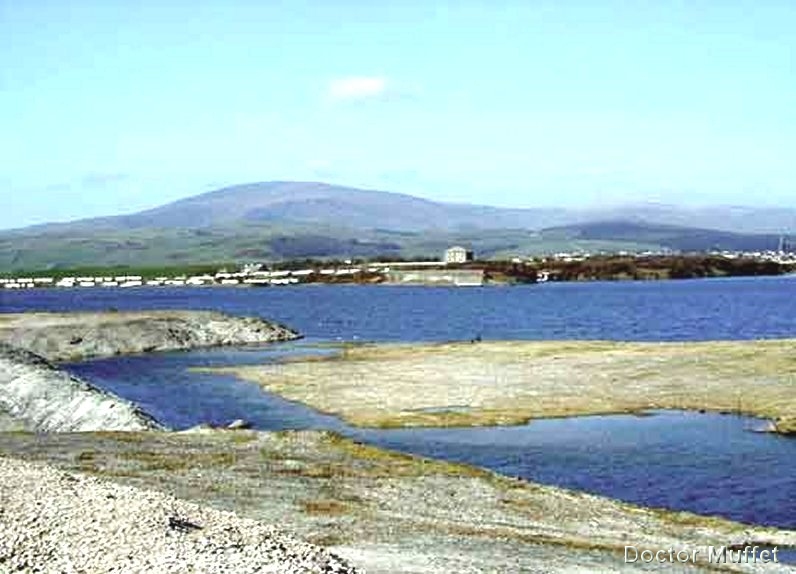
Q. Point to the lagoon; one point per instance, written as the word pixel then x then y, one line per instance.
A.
pixel 709 464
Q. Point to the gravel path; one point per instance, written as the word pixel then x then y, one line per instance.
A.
pixel 56 522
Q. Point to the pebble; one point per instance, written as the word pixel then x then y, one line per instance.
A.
pixel 57 522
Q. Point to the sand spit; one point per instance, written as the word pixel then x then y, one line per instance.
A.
pixel 78 336
pixel 56 522
pixel 511 382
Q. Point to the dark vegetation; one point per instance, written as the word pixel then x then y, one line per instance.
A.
pixel 660 267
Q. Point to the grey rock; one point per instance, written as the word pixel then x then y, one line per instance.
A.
pixel 78 336
pixel 238 424
pixel 37 395
pixel 46 399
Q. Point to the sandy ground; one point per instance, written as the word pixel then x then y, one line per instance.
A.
pixel 387 512
pixel 512 382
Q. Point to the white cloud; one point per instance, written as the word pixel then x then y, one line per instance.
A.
pixel 357 88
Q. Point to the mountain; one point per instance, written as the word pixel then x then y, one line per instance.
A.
pixel 286 220
pixel 320 203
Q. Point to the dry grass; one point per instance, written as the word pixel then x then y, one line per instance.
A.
pixel 324 507
pixel 503 383
pixel 170 461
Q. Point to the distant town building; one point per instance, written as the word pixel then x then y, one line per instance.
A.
pixel 458 254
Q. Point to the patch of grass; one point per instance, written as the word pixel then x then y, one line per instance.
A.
pixel 324 507
pixel 87 455
pixel 171 461
pixel 385 463
pixel 119 436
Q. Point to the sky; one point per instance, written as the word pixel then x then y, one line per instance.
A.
pixel 111 107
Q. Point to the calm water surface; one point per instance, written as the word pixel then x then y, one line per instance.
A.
pixel 709 464
pixel 641 311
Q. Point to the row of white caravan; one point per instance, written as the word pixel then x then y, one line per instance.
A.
pixel 248 277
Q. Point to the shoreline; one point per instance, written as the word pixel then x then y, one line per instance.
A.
pixel 36 394
pixel 76 336
pixel 490 283
pixel 56 521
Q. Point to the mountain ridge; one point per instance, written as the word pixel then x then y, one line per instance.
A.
pixel 318 202
pixel 283 220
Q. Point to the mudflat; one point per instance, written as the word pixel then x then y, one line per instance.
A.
pixel 512 382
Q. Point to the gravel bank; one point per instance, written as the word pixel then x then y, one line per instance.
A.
pixel 388 512
pixel 78 336
pixel 56 522
pixel 39 396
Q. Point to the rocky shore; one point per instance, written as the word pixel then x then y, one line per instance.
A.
pixel 36 395
pixel 79 336
pixel 57 522
pixel 161 501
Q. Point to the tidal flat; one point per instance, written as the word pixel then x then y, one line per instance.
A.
pixel 513 382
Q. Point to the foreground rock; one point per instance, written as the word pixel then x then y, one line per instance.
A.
pixel 510 382
pixel 39 396
pixel 54 522
pixel 78 336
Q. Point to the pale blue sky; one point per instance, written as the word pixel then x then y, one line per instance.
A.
pixel 110 107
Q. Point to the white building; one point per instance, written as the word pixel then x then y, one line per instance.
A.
pixel 458 254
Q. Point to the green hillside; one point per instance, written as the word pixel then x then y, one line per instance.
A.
pixel 278 221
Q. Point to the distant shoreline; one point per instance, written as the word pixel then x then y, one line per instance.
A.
pixel 426 273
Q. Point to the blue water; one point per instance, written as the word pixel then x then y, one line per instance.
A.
pixel 704 463
pixel 642 311
pixel 709 464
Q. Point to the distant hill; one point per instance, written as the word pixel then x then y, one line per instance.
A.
pixel 737 219
pixel 285 220
pixel 320 203
pixel 672 237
